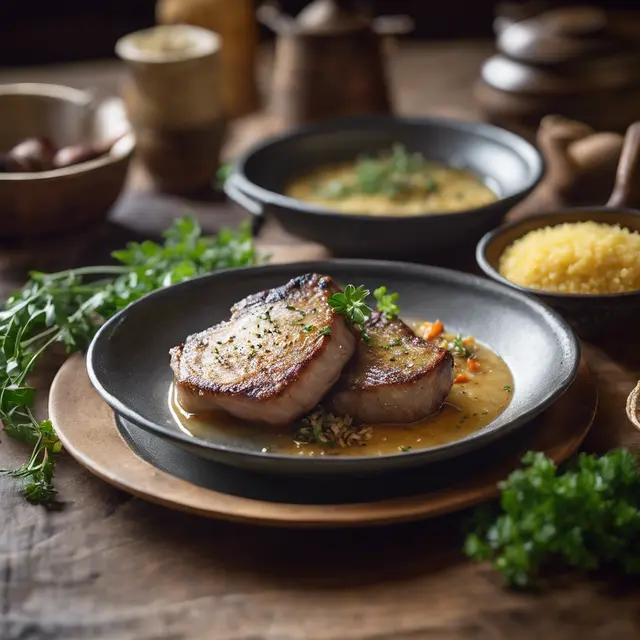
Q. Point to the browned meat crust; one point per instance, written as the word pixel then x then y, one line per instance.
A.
pixel 396 378
pixel 273 360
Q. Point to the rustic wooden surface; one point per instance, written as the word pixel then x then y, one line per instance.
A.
pixel 112 566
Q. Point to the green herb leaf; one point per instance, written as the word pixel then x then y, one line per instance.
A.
pixel 68 307
pixel 457 348
pixel 387 302
pixel 394 174
pixel 351 304
pixel 396 342
pixel 586 516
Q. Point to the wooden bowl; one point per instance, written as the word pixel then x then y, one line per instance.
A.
pixel 591 316
pixel 45 202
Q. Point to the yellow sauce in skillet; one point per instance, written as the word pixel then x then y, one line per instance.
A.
pixel 477 399
pixel 453 190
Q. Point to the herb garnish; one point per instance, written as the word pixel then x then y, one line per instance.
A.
pixel 387 303
pixel 587 516
pixel 69 306
pixel 457 348
pixel 507 388
pixel 290 307
pixel 351 304
pixel 325 331
pixel 394 175
pixel 396 342
pixel 404 448
pixel 328 430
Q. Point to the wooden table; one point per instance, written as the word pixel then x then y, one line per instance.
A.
pixel 112 566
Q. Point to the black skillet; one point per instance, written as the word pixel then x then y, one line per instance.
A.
pixel 506 162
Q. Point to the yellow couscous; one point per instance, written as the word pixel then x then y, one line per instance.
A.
pixel 578 257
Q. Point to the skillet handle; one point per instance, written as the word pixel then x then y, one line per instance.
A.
pixel 626 193
pixel 233 192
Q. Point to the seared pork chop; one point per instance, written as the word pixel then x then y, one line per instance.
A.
pixel 273 360
pixel 396 378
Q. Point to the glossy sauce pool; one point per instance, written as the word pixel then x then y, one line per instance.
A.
pixel 469 407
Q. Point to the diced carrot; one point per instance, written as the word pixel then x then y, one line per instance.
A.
pixel 461 378
pixel 469 342
pixel 434 330
pixel 473 366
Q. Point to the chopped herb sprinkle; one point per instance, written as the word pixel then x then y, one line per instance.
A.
pixel 331 431
pixel 457 347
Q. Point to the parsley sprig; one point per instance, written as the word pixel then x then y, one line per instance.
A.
pixel 68 307
pixel 586 516
pixel 387 302
pixel 351 304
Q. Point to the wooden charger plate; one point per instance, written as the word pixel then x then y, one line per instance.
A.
pixel 105 445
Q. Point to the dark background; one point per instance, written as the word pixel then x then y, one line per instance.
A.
pixel 42 32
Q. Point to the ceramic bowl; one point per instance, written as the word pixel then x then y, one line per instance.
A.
pixel 47 202
pixel 591 316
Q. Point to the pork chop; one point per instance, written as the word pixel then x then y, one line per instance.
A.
pixel 273 360
pixel 396 378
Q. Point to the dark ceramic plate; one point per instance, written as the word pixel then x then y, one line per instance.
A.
pixel 504 161
pixel 128 360
pixel 324 489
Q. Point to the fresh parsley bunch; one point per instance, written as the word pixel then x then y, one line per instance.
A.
pixel 587 517
pixel 68 307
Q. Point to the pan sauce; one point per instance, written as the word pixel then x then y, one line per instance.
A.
pixel 456 190
pixel 470 406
